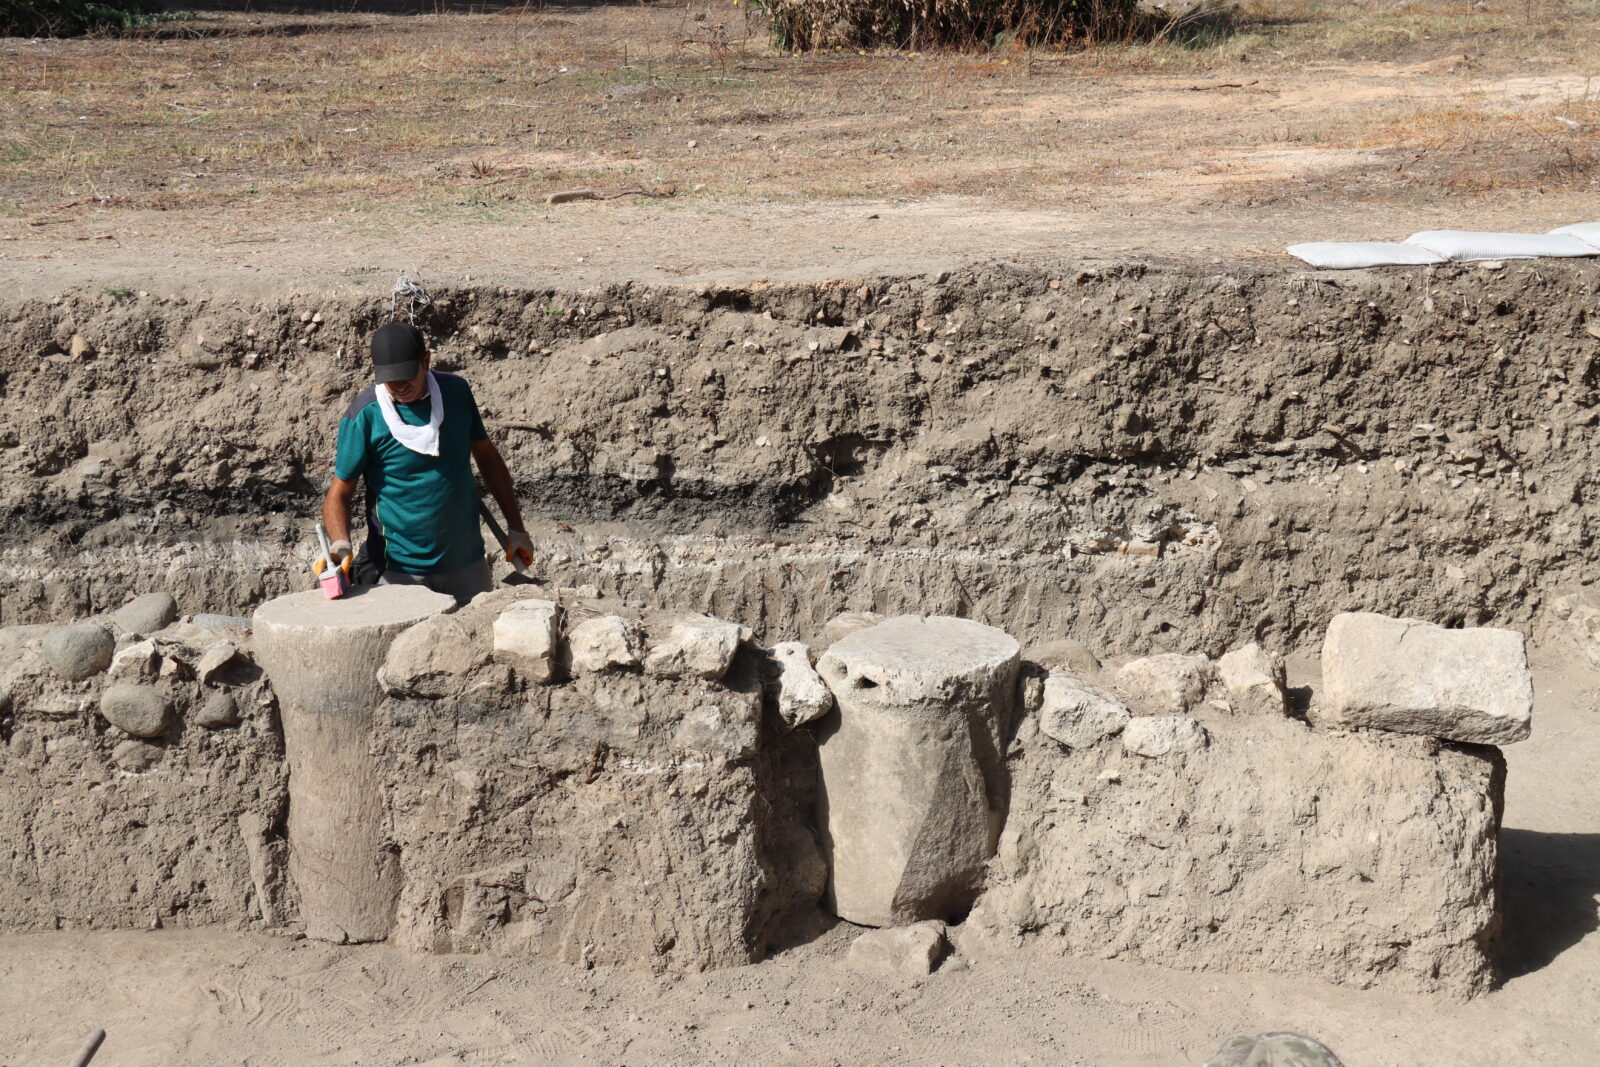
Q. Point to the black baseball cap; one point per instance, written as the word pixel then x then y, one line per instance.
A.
pixel 397 352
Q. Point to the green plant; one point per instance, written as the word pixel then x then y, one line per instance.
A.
pixel 73 18
pixel 117 292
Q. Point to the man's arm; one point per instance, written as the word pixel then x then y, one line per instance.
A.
pixel 498 480
pixel 336 510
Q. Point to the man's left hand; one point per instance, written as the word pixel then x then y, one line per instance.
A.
pixel 519 550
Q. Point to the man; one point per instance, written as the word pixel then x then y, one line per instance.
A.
pixel 411 435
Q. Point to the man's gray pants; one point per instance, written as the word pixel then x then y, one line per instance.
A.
pixel 463 583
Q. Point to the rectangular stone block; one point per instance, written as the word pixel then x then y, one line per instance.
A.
pixel 1413 677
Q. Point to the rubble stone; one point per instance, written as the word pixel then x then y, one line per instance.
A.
pixel 146 614
pixel 1254 681
pixel 430 659
pixel 527 635
pixel 802 696
pixel 1077 714
pixel 729 732
pixel 901 951
pixel 140 710
pixel 1167 684
pixel 1161 735
pixel 1413 677
pixel 698 646
pixel 1064 654
pixel 136 757
pixel 214 662
pixel 218 711
pixel 78 652
pixel 843 625
pixel 136 664
pixel 610 642
pixel 911 777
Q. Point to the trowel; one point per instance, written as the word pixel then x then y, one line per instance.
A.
pixel 335 583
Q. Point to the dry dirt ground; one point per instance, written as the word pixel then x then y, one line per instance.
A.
pixel 212 997
pixel 253 150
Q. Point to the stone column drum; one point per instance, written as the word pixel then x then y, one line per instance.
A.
pixel 322 657
pixel 913 787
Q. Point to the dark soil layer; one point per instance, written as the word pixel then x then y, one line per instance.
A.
pixel 1144 456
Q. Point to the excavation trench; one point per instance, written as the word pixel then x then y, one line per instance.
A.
pixel 1149 456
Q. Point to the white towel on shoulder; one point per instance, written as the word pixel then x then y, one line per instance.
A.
pixel 424 439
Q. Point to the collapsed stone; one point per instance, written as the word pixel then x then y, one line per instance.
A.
pixel 912 782
pixel 136 757
pixel 527 634
pixel 137 663
pixel 1254 681
pixel 138 710
pixel 1077 714
pixel 1410 676
pixel 146 614
pixel 901 951
pixel 1162 735
pixel 843 625
pixel 1064 654
pixel 430 659
pixel 1167 684
pixel 697 646
pixel 802 696
pixel 78 652
pixel 606 643
pixel 218 711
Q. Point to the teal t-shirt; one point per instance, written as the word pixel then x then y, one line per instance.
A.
pixel 426 507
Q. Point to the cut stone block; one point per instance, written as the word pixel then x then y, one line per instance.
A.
pixel 1168 684
pixel 911 784
pixel 78 652
pixel 1254 680
pixel 527 635
pixel 146 614
pixel 139 710
pixel 1413 677
pixel 1077 714
pixel 608 643
pixel 698 646
pixel 322 659
pixel 902 951
pixel 802 696
pixel 1162 735
pixel 729 732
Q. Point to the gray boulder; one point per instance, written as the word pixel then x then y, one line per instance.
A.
pixel 1413 677
pixel 911 775
pixel 209 621
pixel 139 710
pixel 78 652
pixel 146 614
pixel 220 710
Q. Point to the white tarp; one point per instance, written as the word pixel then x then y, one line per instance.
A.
pixel 1462 246
pixel 1588 232
pixel 1347 255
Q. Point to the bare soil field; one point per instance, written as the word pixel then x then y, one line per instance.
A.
pixel 273 148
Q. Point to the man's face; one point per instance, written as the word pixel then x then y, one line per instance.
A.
pixel 411 389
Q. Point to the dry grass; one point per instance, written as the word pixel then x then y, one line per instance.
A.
pixel 463 116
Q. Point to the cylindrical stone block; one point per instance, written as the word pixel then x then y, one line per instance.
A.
pixel 913 785
pixel 322 657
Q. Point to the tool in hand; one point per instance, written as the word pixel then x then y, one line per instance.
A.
pixel 513 557
pixel 333 578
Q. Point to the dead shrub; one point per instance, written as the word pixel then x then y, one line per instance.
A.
pixel 805 25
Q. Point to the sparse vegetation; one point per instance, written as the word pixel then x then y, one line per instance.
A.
pixel 73 18
pixel 965 24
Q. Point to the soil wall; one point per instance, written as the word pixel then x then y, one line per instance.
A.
pixel 1149 457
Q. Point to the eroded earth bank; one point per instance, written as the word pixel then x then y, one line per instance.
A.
pixel 1160 456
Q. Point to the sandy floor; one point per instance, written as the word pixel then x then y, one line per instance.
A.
pixel 213 997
